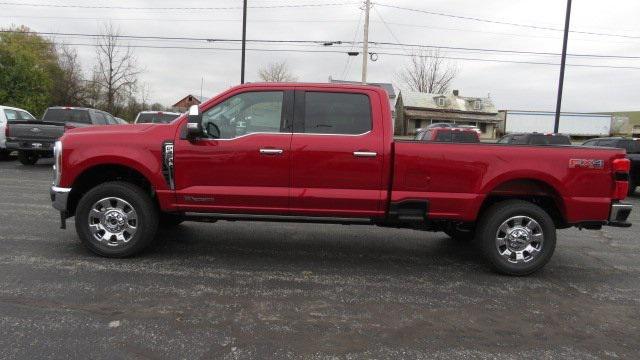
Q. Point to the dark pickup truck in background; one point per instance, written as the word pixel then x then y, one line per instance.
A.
pixel 34 139
pixel 632 145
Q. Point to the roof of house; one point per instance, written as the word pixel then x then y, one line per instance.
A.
pixel 427 101
pixel 200 99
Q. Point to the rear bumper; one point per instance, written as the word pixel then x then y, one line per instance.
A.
pixel 59 197
pixel 619 214
pixel 35 146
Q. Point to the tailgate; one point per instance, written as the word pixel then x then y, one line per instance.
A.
pixel 35 131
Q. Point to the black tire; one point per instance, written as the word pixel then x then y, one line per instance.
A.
pixel 142 204
pixel 168 220
pixel 457 234
pixel 487 234
pixel 28 157
pixel 4 154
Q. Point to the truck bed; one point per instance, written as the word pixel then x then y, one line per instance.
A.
pixel 455 179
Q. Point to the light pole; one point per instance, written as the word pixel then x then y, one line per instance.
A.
pixel 244 39
pixel 556 126
pixel 365 41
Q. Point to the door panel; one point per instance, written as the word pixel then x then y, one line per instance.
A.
pixel 335 174
pixel 247 169
pixel 234 175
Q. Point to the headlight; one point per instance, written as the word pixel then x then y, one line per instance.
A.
pixel 57 165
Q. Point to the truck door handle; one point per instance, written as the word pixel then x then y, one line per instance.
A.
pixel 365 154
pixel 271 151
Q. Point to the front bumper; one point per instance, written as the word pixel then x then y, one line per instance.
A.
pixel 619 214
pixel 59 197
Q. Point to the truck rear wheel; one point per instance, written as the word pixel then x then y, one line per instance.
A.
pixel 28 157
pixel 116 219
pixel 517 237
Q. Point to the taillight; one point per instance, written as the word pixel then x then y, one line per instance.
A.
pixel 621 178
pixel 621 165
pixel 6 131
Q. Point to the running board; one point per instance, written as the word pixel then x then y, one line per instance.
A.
pixel 213 217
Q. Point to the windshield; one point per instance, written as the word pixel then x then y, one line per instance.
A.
pixel 67 115
pixel 156 118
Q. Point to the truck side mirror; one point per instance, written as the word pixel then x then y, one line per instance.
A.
pixel 194 125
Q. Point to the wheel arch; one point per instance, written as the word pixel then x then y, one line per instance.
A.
pixel 100 173
pixel 538 191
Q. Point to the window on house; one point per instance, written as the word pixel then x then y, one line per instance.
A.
pixel 483 127
pixel 441 101
pixel 477 105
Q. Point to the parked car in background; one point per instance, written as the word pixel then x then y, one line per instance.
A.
pixel 34 139
pixel 156 117
pixel 632 145
pixel 121 121
pixel 8 113
pixel 535 139
pixel 323 153
pixel 456 135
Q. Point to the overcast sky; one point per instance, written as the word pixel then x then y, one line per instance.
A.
pixel 172 73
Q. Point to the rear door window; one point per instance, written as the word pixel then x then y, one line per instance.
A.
pixel 25 115
pixel 110 119
pixel 99 118
pixel 337 113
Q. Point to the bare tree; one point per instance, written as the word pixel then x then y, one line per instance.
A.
pixel 428 72
pixel 68 87
pixel 276 72
pixel 116 70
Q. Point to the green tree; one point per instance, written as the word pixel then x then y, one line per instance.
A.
pixel 28 65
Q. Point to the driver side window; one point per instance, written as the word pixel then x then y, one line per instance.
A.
pixel 246 113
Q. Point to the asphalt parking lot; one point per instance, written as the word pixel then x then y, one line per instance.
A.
pixel 237 290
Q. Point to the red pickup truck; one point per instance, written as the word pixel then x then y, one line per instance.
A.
pixel 326 153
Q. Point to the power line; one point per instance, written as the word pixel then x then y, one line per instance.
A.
pixel 322 42
pixel 346 53
pixel 177 8
pixel 470 18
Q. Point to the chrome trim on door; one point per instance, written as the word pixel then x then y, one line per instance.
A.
pixel 271 151
pixel 365 154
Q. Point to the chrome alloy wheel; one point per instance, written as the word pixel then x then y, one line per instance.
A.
pixel 112 221
pixel 519 239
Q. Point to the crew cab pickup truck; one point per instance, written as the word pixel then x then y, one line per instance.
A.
pixel 34 139
pixel 326 153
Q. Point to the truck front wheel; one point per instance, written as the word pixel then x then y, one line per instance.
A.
pixel 517 237
pixel 116 219
pixel 28 157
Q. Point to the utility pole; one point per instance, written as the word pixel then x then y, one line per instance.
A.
pixel 365 41
pixel 556 126
pixel 244 39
